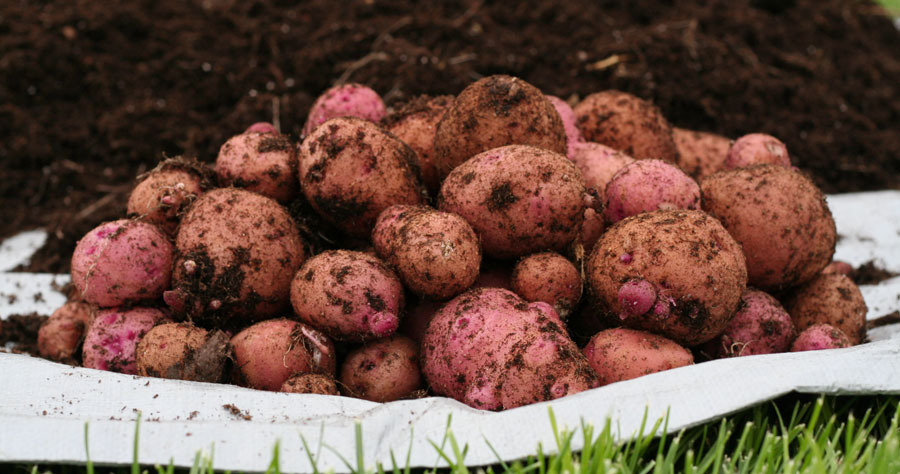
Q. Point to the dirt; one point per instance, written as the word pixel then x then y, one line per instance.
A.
pixel 93 93
pixel 870 274
pixel 18 333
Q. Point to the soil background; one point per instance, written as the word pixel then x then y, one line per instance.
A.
pixel 93 93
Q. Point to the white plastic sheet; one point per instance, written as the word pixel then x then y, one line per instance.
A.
pixel 44 406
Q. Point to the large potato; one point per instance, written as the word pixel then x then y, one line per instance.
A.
pixel 416 123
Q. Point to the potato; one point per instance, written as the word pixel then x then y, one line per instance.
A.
pixel 756 149
pixel 351 296
pixel 269 352
pixel 548 277
pixel 624 354
pixel 598 164
pixel 60 336
pixel 779 217
pixel 261 127
pixel 567 115
pixel 700 153
pixel 418 314
pixel 492 350
pixel 112 339
pixel 519 199
pixel 818 337
pixel 383 370
pixel 648 185
pixel 627 123
pixel 493 112
pixel 310 383
pixel 760 326
pixel 591 229
pixel 350 170
pixel 415 124
pixel 831 299
pixel 838 266
pixel 676 273
pixel 436 254
pixel 163 194
pixel 122 261
pixel 264 163
pixel 237 254
pixel 183 351
pixel 346 100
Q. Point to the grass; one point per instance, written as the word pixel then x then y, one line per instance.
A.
pixel 794 434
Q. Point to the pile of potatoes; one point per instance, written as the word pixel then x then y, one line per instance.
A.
pixel 499 247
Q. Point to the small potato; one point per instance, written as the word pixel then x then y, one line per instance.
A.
pixel 269 352
pixel 598 164
pixel 416 123
pixel 436 254
pixel 820 336
pixel 760 326
pixel 264 163
pixel 112 339
pixel 838 266
pixel 625 354
pixel 122 261
pixel 60 336
pixel 183 351
pixel 756 149
pixel 573 135
pixel 648 185
pixel 493 112
pixel 627 123
pixel 591 229
pixel 519 199
pixel 164 193
pixel 383 370
pixel 346 100
pixel 261 127
pixel 831 299
pixel 700 153
pixel 310 383
pixel 548 277
pixel 351 296
pixel 779 217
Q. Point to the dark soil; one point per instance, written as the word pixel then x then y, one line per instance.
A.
pixel 20 333
pixel 870 274
pixel 93 93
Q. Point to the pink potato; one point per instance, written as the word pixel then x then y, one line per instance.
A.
pixel 624 354
pixel 492 350
pixel 598 164
pixel 350 170
pixel 237 254
pixel 519 199
pixel 163 194
pixel 183 351
pixel 820 336
pixel 264 163
pixel 383 370
pixel 436 254
pixel 112 339
pixel 833 299
pixel 122 261
pixel 310 383
pixel 351 296
pixel 60 336
pixel 268 353
pixel 838 266
pixel 591 229
pixel 346 100
pixel 648 185
pixel 760 326
pixel 548 277
pixel 261 127
pixel 415 123
pixel 700 153
pixel 756 149
pixel 573 135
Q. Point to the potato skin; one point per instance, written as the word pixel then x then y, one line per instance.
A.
pixel 833 299
pixel 183 351
pixel 354 100
pixel 675 273
pixel 383 370
pixel 492 112
pixel 61 335
pixel 112 339
pixel 567 115
pixel 310 383
pixel 700 153
pixel 820 336
pixel 415 123
pixel 648 185
pixel 598 164
pixel 756 149
pixel 237 254
pixel 265 163
pixel 519 199
pixel 624 354
pixel 626 123
pixel 164 194
pixel 548 277
pixel 436 254
pixel 350 170
pixel 779 217
pixel 351 296
pixel 760 326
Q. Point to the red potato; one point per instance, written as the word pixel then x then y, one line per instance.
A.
pixel 261 127
pixel 837 266
pixel 756 149
pixel 415 124
pixel 163 194
pixel 268 353
pixel 310 383
pixel 112 339
pixel 493 112
pixel 519 199
pixel 350 170
pixel 700 153
pixel 598 164
pixel 573 135
pixel 548 277
pixel 760 326
pixel 625 354
pixel 820 336
pixel 627 123
pixel 492 350
pixel 237 254
pixel 591 229
pixel 831 299
pixel 264 163
pixel 648 185
pixel 436 254
pixel 383 370
pixel 183 351
pixel 122 261
pixel 418 315
pixel 346 100
pixel 351 296
pixel 61 335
